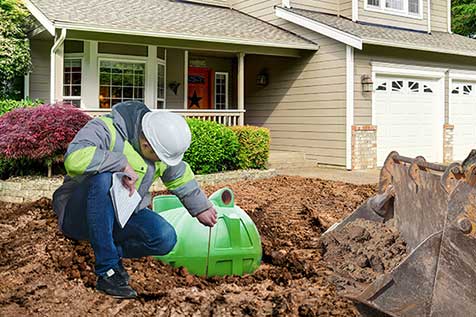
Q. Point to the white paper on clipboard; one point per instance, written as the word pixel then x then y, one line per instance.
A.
pixel 124 205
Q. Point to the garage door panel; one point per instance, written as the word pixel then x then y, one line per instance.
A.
pixel 463 117
pixel 405 118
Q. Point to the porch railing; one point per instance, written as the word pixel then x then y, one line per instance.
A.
pixel 226 117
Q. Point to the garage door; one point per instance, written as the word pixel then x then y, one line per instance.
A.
pixel 406 111
pixel 463 116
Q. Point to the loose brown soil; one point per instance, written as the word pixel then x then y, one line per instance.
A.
pixel 44 273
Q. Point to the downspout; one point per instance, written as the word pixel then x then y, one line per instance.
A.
pixel 56 45
pixel 429 16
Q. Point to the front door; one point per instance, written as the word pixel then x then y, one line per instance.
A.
pixel 199 88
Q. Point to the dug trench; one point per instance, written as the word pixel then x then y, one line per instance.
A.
pixel 45 274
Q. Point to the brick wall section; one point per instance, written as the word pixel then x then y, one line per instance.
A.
pixel 364 146
pixel 448 136
pixel 20 190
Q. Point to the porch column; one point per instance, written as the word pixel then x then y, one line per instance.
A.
pixel 56 67
pixel 151 78
pixel 241 86
pixel 90 82
pixel 185 80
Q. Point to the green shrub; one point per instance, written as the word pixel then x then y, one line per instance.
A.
pixel 7 105
pixel 253 151
pixel 214 147
pixel 19 167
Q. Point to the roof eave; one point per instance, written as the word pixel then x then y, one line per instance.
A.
pixel 318 27
pixel 419 48
pixel 41 17
pixel 88 28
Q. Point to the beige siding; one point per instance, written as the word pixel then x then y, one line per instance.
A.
pixel 305 101
pixel 394 20
pixel 40 73
pixel 439 15
pixel 345 8
pixel 363 59
pixel 262 9
pixel 326 6
pixel 222 3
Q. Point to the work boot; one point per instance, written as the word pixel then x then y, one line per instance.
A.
pixel 121 270
pixel 115 285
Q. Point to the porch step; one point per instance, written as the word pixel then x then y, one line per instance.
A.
pixel 281 160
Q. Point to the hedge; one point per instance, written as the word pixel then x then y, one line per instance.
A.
pixel 253 151
pixel 7 105
pixel 214 147
pixel 31 137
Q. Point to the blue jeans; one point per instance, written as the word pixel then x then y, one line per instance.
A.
pixel 90 216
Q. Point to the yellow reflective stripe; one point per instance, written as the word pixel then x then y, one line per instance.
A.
pixel 182 180
pixel 135 161
pixel 77 162
pixel 160 168
pixel 112 131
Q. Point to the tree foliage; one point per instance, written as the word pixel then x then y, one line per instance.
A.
pixel 464 17
pixel 15 58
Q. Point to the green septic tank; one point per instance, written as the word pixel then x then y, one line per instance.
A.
pixel 231 247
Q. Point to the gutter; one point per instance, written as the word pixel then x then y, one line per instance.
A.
pixel 56 45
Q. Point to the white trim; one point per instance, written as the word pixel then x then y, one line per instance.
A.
pixel 286 3
pixel 100 29
pixel 150 84
pixel 355 10
pixel 402 13
pixel 241 84
pixel 321 28
pixel 81 58
pixel 26 86
pixel 429 15
pixel 44 21
pixel 58 42
pixel 163 63
pixel 449 16
pixel 450 88
pixel 349 113
pixel 405 70
pixel 415 47
pixel 226 89
pixel 185 80
pixel 462 75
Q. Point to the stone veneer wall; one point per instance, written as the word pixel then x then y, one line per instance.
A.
pixel 448 138
pixel 28 189
pixel 364 147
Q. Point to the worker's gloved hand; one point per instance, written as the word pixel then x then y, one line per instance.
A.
pixel 129 181
pixel 208 217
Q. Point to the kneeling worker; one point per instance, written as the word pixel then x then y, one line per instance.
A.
pixel 145 145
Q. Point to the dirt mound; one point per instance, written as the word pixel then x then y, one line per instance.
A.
pixel 361 251
pixel 44 273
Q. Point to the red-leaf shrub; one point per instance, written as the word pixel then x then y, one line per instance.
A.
pixel 41 133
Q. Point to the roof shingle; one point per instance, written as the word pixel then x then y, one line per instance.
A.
pixel 169 18
pixel 383 35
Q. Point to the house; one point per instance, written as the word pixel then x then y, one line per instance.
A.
pixel 343 81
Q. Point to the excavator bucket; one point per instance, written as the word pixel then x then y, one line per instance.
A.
pixel 434 209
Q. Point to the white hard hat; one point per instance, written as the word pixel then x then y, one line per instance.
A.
pixel 168 134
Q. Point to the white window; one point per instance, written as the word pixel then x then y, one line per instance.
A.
pixel 120 81
pixel 161 85
pixel 72 81
pixel 394 4
pixel 407 8
pixel 221 90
